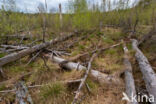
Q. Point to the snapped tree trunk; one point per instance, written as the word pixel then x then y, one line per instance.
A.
pixel 146 69
pixel 129 80
pixel 15 56
pixel 101 77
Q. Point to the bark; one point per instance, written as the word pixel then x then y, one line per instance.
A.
pixel 22 94
pixel 61 17
pixel 15 56
pixel 84 79
pixel 14 47
pixel 129 80
pixel 146 69
pixel 18 37
pixel 101 77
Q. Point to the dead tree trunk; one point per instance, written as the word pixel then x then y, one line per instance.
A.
pixel 101 77
pixel 22 94
pixel 60 12
pixel 84 79
pixel 15 56
pixel 146 69
pixel 129 80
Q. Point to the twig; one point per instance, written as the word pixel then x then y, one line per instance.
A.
pixel 2 73
pixel 29 45
pixel 45 63
pixel 88 88
pixel 33 58
pixel 22 39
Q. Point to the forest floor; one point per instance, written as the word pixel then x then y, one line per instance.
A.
pixel 109 62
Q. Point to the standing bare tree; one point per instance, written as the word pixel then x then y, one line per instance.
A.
pixel 43 10
pixel 60 12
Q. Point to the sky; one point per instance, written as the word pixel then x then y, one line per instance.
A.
pixel 31 5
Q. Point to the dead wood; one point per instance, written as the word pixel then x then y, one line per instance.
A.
pixel 129 80
pixel 101 77
pixel 14 47
pixel 2 73
pixel 84 79
pixel 146 69
pixel 34 57
pixel 15 56
pixel 22 94
pixel 18 37
pixel 45 63
pixel 31 44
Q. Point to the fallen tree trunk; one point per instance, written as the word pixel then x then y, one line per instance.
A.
pixel 18 37
pixel 14 47
pixel 146 69
pixel 22 94
pixel 101 77
pixel 84 79
pixel 129 80
pixel 15 56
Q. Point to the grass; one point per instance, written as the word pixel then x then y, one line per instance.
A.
pixel 53 90
pixel 2 87
pixel 92 85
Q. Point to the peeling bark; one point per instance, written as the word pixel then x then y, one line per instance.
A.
pixel 149 75
pixel 129 80
pixel 22 94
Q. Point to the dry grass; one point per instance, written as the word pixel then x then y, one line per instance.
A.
pixel 58 93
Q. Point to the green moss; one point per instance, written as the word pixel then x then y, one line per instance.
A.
pixel 107 40
pixel 2 55
pixel 92 85
pixel 81 47
pixel 17 69
pixel 2 87
pixel 111 51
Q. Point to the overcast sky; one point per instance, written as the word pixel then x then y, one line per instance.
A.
pixel 31 5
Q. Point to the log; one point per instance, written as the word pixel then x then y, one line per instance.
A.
pixel 22 94
pixel 18 37
pixel 129 80
pixel 84 79
pixel 146 69
pixel 101 77
pixel 14 47
pixel 15 56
